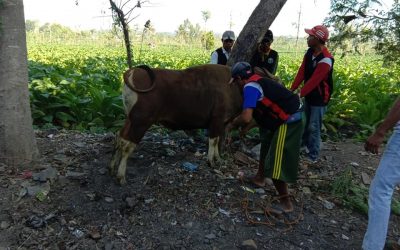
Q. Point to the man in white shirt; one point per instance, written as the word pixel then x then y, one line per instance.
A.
pixel 221 55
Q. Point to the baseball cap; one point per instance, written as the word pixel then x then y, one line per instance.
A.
pixel 242 70
pixel 268 37
pixel 319 31
pixel 229 34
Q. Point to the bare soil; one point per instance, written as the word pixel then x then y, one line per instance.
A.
pixel 69 201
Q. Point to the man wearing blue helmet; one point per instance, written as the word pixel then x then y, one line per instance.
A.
pixel 277 111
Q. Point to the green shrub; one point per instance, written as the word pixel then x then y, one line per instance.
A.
pixel 79 87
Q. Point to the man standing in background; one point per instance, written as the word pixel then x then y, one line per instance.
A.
pixel 316 73
pixel 265 57
pixel 221 55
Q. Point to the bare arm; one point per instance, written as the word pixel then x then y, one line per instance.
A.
pixel 375 140
pixel 244 118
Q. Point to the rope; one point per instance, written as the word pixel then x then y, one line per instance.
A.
pixel 268 214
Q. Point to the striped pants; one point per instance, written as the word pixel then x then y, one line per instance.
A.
pixel 281 149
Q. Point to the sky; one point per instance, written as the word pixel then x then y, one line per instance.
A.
pixel 167 15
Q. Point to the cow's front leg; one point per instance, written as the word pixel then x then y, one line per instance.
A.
pixel 213 151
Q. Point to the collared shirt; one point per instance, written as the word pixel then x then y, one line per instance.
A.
pixel 214 56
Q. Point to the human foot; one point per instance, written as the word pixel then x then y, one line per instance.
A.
pixel 256 181
pixel 282 207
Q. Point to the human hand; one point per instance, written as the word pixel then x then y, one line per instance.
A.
pixel 245 129
pixel 373 142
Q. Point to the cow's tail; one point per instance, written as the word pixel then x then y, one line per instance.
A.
pixel 128 79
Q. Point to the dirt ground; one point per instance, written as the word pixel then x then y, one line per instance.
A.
pixel 69 201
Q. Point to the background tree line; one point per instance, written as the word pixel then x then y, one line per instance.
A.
pixel 187 33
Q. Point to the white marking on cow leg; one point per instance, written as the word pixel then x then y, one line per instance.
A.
pixel 129 98
pixel 126 148
pixel 116 157
pixel 217 157
pixel 212 150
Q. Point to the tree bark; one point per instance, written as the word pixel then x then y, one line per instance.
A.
pixel 259 22
pixel 17 139
pixel 125 29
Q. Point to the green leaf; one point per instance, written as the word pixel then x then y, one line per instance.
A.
pixel 48 118
pixel 64 117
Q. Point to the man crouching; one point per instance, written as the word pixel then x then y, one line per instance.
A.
pixel 278 112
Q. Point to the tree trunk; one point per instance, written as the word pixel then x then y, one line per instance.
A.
pixel 125 29
pixel 259 22
pixel 17 139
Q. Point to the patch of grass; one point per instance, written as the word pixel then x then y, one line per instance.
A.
pixel 341 185
pixel 396 207
pixel 353 195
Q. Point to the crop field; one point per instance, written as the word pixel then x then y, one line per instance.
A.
pixel 79 87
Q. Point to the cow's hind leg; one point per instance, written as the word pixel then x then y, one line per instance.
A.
pixel 122 149
pixel 116 155
pixel 126 142
pixel 126 148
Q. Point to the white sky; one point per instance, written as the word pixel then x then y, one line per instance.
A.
pixel 167 15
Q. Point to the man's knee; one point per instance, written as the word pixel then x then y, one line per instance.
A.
pixel 381 189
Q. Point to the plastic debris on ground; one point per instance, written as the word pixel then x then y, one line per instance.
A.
pixel 189 166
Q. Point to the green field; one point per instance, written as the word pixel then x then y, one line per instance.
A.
pixel 78 87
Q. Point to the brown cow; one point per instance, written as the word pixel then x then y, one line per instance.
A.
pixel 197 97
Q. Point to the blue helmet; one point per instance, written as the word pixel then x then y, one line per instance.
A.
pixel 242 70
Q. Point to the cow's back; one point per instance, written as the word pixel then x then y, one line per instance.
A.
pixel 184 99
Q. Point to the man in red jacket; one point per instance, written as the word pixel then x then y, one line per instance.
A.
pixel 316 73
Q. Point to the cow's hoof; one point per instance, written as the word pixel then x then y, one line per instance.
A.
pixel 219 161
pixel 121 180
pixel 111 170
pixel 216 162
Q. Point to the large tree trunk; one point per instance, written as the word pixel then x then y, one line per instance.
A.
pixel 17 139
pixel 260 20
